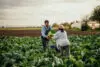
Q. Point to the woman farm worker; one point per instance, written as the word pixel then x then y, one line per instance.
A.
pixel 62 41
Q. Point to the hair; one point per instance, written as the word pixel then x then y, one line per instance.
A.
pixel 62 30
pixel 46 21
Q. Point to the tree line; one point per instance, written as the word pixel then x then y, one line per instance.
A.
pixel 95 16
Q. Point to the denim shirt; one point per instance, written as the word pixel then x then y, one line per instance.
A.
pixel 45 31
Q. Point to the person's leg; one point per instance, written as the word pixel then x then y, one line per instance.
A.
pixel 57 50
pixel 67 50
pixel 47 42
pixel 44 44
pixel 61 50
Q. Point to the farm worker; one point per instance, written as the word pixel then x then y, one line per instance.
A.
pixel 62 41
pixel 44 34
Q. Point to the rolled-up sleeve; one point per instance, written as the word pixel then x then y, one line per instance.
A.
pixel 43 32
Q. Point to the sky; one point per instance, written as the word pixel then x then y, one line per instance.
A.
pixel 34 12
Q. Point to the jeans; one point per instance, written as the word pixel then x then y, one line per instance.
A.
pixel 44 43
pixel 65 50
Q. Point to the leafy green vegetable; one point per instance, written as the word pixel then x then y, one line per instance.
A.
pixel 28 52
pixel 51 33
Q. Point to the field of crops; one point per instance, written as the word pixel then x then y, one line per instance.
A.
pixel 28 52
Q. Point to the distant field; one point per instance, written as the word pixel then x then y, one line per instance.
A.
pixel 36 32
pixel 21 31
pixel 20 28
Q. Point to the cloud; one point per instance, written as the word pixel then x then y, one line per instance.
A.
pixel 34 12
pixel 9 3
pixel 68 11
pixel 23 3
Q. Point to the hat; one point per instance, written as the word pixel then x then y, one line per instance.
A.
pixel 61 26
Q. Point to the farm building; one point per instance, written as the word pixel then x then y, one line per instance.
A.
pixel 93 24
pixel 76 24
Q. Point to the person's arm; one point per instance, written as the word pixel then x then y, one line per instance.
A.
pixel 66 34
pixel 43 32
pixel 56 36
pixel 68 42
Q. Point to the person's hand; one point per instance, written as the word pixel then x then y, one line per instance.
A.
pixel 50 36
pixel 47 37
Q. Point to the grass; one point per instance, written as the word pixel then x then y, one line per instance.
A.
pixel 19 28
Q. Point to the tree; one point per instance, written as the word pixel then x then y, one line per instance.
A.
pixel 67 25
pixel 55 25
pixel 85 26
pixel 85 19
pixel 96 15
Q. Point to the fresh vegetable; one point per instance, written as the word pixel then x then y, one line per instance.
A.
pixel 51 33
pixel 28 52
